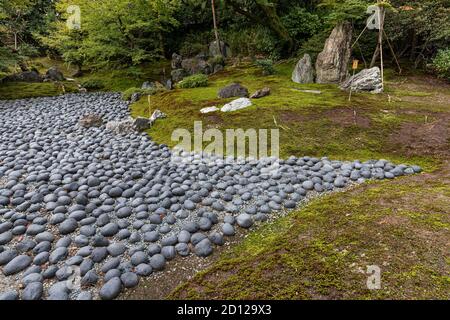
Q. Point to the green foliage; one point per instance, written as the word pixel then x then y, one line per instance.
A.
pixel 301 24
pixel 314 45
pixel 114 32
pixel 441 64
pixel 266 65
pixel 194 81
pixel 192 49
pixel 93 84
pixel 345 10
pixel 253 41
pixel 216 60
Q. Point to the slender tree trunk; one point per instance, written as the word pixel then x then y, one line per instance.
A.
pixel 216 32
pixel 375 56
pixel 413 46
pixel 15 41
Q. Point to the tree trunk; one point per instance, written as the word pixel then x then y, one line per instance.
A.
pixel 275 24
pixel 375 56
pixel 15 41
pixel 216 32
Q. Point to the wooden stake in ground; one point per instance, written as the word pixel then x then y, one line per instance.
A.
pixel 354 67
pixel 380 39
pixel 149 105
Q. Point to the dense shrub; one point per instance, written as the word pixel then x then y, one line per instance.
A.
pixel 93 84
pixel 314 45
pixel 216 60
pixel 301 24
pixel 441 64
pixel 195 81
pixel 266 65
pixel 251 42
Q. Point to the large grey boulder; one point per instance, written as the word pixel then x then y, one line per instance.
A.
pixel 90 120
pixel 304 70
pixel 224 49
pixel 366 80
pixel 196 65
pixel 26 76
pixel 176 61
pixel 178 75
pixel 233 90
pixel 54 74
pixel 332 62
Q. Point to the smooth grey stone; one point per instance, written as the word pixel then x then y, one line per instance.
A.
pixel 203 248
pixel 99 254
pixel 217 238
pixel 244 220
pixel 113 273
pixel 184 236
pixel 157 262
pixel 110 229
pixel 63 242
pixel 144 270
pixel 182 249
pixel 50 272
pixel 168 252
pixel 138 258
pixel 100 241
pixel 58 296
pixel 45 236
pixel 68 226
pixel 32 277
pixel 33 291
pixel 153 249
pixel 228 229
pixel 129 279
pixel 197 237
pixel 116 249
pixel 41 258
pixel 16 265
pixel 229 219
pixel 6 237
pixel 111 289
pixel 90 278
pixel 191 226
pixel 75 260
pixel 84 296
pixel 169 241
pixel 151 236
pixel 58 255
pixel 112 263
pixel 9 295
pixel 6 256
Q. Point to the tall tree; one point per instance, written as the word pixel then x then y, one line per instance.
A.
pixel 264 12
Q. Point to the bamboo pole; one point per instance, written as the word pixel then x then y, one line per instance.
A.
pixel 380 39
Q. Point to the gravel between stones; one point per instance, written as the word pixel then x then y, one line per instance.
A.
pixel 85 213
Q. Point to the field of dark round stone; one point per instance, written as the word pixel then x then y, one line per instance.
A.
pixel 86 212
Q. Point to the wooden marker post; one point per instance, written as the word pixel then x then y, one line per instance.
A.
pixel 354 67
pixel 380 38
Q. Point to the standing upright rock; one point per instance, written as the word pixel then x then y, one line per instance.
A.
pixel 303 71
pixel 332 62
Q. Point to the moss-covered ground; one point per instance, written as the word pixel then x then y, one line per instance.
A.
pixel 322 251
